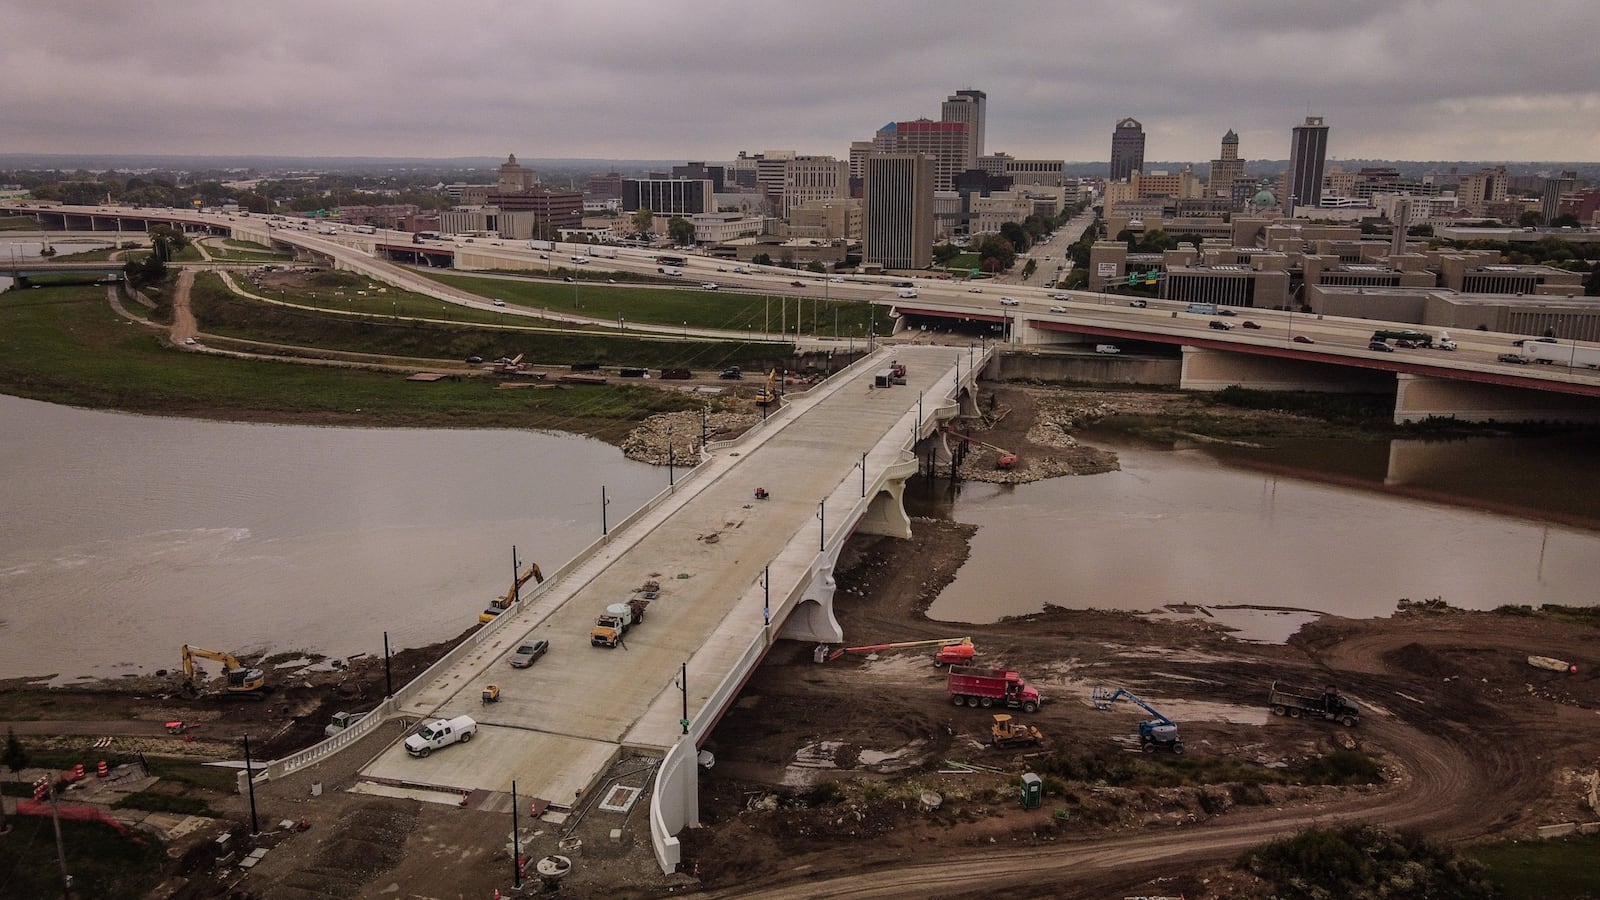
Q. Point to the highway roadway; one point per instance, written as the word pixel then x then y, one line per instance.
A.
pixel 1332 336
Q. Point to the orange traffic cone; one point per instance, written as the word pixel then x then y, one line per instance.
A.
pixel 102 770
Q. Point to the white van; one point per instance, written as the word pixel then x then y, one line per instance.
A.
pixel 906 293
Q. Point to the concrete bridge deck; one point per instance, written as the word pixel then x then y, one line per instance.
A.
pixel 560 723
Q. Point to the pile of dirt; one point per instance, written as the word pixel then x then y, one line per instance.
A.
pixel 1036 425
pixel 365 842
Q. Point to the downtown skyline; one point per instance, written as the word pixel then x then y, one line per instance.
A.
pixel 1410 80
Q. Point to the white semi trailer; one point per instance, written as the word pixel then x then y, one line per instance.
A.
pixel 1562 354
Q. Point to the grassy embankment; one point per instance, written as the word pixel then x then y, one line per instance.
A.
pixel 229 250
pixel 393 326
pixel 65 345
pixel 18 223
pixel 755 314
pixel 1543 870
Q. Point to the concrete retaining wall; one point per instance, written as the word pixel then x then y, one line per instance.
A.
pixel 1099 368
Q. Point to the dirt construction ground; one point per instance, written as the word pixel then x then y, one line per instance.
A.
pixel 858 777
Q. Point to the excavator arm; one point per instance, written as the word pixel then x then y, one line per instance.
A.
pixel 1103 701
pixel 241 679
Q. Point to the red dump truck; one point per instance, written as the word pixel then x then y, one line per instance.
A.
pixel 975 686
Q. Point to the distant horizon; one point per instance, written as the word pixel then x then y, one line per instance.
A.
pixel 58 161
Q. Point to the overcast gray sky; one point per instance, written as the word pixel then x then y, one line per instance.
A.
pixel 700 79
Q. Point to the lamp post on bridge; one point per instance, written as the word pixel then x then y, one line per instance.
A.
pixel 822 526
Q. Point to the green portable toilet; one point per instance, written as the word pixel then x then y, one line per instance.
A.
pixel 1032 791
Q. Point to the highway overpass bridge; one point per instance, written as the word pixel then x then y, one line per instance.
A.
pixel 1289 351
pixel 1277 350
pixel 735 573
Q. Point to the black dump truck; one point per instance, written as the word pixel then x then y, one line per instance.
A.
pixel 1327 703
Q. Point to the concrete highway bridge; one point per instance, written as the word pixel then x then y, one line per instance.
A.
pixel 736 574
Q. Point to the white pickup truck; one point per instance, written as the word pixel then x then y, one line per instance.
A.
pixel 441 733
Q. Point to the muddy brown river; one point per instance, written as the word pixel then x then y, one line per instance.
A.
pixel 124 537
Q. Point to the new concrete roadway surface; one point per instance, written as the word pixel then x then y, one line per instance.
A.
pixel 559 723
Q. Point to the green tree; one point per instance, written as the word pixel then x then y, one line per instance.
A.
pixel 1592 288
pixel 167 241
pixel 142 273
pixel 643 221
pixel 815 266
pixel 15 755
pixel 762 259
pixel 681 230
pixel 1565 220
pixel 1017 236
pixel 945 252
pixel 1530 218
pixel 997 253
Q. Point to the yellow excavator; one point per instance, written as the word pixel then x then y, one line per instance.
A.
pixel 769 392
pixel 500 604
pixel 242 680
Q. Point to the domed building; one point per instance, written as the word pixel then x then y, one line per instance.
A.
pixel 1264 203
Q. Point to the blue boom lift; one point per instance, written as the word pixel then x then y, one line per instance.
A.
pixel 1160 733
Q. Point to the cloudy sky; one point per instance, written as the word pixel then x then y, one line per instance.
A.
pixel 697 79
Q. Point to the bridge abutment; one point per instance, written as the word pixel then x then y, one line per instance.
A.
pixel 1205 369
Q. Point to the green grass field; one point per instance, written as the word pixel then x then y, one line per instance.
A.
pixel 18 223
pixel 223 313
pixel 65 345
pixel 753 313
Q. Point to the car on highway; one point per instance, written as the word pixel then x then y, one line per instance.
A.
pixel 569 279
pixel 499 302
pixel 529 653
pixel 708 285
pixel 1061 297
pixel 1220 325
pixel 1249 325
pixel 1302 339
pixel 1138 304
pixel 1008 301
pixel 1226 312
pixel 1058 309
pixel 739 270
pixel 837 279
pixel 1379 346
pixel 474 360
pixel 1404 344
pixel 974 290
pixel 1512 358
pixel 799 284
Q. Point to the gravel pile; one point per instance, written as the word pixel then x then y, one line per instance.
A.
pixel 648 442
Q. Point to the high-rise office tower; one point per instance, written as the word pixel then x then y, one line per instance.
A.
pixel 1127 149
pixel 1308 149
pixel 945 142
pixel 1226 169
pixel 1554 190
pixel 967 107
pixel 898 231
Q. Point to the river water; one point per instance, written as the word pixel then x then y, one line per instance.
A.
pixel 1227 528
pixel 124 537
